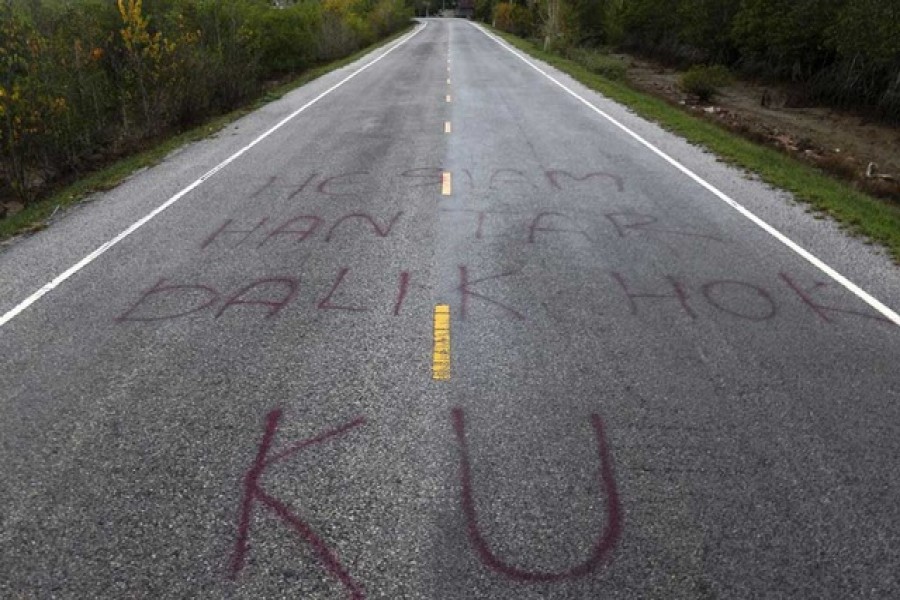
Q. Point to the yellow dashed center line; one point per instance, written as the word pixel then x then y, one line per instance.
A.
pixel 446 184
pixel 440 360
pixel 447 128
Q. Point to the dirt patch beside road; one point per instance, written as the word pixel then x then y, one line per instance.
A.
pixel 847 145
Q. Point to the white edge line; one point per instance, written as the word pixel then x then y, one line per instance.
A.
pixel 863 295
pixel 62 277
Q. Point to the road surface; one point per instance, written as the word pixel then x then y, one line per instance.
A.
pixel 218 378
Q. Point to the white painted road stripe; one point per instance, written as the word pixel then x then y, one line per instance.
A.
pixel 863 295
pixel 59 279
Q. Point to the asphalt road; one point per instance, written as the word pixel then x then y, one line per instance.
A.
pixel 650 395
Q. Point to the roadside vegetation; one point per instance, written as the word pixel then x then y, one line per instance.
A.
pixel 86 82
pixel 819 47
pixel 33 217
pixel 845 52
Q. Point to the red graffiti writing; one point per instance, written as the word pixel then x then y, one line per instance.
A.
pixel 254 494
pixel 508 177
pixel 298 228
pixel 225 230
pixel 538 226
pixel 270 296
pixel 289 285
pixel 624 224
pixel 739 299
pixel 606 539
pixel 466 292
pixel 181 294
pixel 677 293
pixel 354 184
pixel 264 187
pixel 166 301
pixel 554 176
pixel 711 290
pixel 401 294
pixel 427 176
pixel 344 179
pixel 480 218
pixel 302 187
pixel 556 180
pixel 632 221
pixel 325 303
pixel 379 230
pixel 819 309
pixel 287 228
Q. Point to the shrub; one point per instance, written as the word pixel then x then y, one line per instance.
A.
pixel 513 18
pixel 287 38
pixel 705 81
pixel 600 63
pixel 342 32
pixel 388 16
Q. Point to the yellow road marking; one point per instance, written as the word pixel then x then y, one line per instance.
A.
pixel 446 184
pixel 440 359
pixel 447 128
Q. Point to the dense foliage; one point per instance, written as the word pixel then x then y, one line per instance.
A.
pixel 704 81
pixel 846 52
pixel 83 80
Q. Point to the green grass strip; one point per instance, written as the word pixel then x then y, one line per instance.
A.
pixel 33 217
pixel 876 219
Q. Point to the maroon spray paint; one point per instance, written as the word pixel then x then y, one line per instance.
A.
pixel 553 176
pixel 466 292
pixel 821 310
pixel 253 494
pixel 290 286
pixel 160 287
pixel 325 303
pixel 537 226
pixel 632 221
pixel 606 539
pixel 678 293
pixel 401 293
pixel 224 230
pixel 286 228
pixel 379 231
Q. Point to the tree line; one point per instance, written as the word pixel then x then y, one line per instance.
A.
pixel 843 52
pixel 85 80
